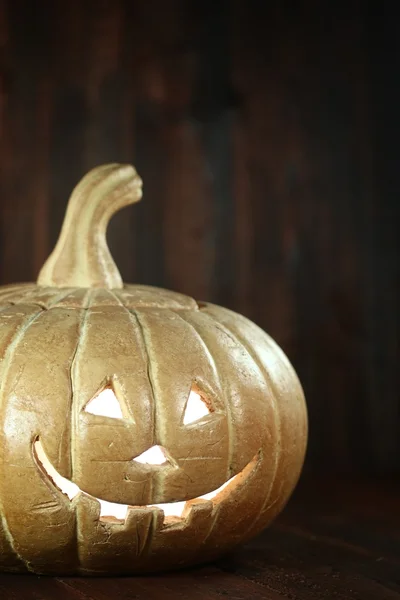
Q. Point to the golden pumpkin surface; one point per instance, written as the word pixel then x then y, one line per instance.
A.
pixel 97 377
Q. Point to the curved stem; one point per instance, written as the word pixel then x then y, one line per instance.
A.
pixel 81 257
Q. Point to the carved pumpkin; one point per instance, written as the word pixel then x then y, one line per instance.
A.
pixel 140 430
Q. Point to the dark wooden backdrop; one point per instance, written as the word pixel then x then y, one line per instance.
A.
pixel 267 135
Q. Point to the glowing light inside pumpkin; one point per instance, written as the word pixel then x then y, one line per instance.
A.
pixel 175 509
pixel 171 509
pixel 69 488
pixel 212 495
pixel 113 509
pixel 153 456
pixel 105 404
pixel 196 408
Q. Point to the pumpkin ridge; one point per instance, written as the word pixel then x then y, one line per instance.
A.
pixel 272 386
pixel 132 296
pixel 48 305
pixel 10 539
pixel 81 337
pixel 285 368
pixel 135 314
pixel 146 544
pixel 19 561
pixel 5 365
pixel 114 295
pixel 59 298
pixel 9 293
pixel 17 338
pixel 226 403
pixel 29 297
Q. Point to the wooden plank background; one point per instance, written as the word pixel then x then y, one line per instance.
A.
pixel 267 135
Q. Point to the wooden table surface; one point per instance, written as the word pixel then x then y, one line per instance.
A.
pixel 336 540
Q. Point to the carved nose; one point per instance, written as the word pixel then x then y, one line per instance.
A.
pixel 155 455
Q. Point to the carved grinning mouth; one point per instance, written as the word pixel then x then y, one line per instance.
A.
pixel 173 511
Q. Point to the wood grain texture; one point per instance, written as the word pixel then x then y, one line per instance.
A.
pixel 335 541
pixel 266 135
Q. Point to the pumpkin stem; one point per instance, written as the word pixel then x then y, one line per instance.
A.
pixel 81 257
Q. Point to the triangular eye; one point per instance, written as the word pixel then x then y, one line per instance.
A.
pixel 196 408
pixel 105 404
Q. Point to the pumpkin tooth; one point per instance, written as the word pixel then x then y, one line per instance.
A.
pixel 198 510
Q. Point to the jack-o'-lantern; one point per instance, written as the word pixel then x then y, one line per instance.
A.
pixel 140 430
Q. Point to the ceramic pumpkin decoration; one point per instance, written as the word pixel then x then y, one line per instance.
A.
pixel 140 430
